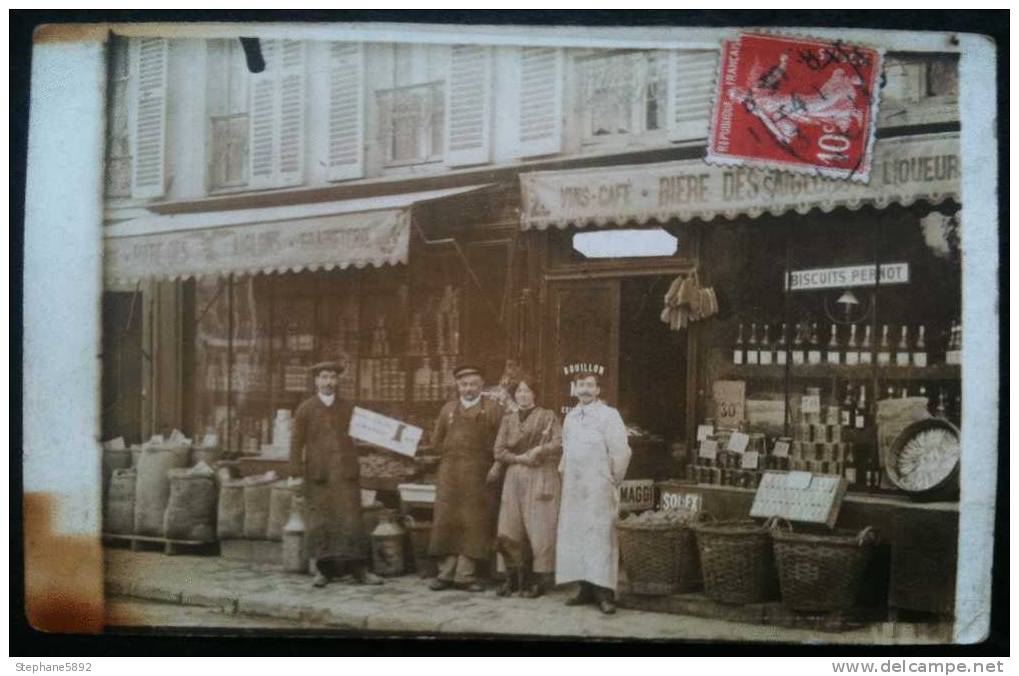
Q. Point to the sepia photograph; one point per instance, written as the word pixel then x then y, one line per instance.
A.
pixel 513 332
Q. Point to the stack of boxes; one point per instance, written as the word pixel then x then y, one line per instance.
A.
pixel 818 442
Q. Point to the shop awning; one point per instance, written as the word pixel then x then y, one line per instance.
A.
pixel 352 233
pixel 905 170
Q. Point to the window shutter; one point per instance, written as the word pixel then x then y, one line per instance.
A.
pixel 691 88
pixel 346 110
pixel 148 126
pixel 290 163
pixel 541 101
pixel 262 119
pixel 469 105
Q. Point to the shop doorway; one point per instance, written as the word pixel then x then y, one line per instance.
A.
pixel 615 322
pixel 122 360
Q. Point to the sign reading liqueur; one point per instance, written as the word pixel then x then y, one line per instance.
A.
pixel 840 278
pixel 904 170
pixel 375 428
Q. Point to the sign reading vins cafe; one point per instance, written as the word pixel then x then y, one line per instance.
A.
pixel 905 170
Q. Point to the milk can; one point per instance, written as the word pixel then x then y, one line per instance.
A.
pixel 387 545
pixel 294 559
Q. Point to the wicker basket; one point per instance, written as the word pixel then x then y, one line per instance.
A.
pixel 821 573
pixel 736 561
pixel 659 558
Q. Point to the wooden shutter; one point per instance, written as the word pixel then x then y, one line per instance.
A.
pixel 262 119
pixel 276 116
pixel 469 105
pixel 541 101
pixel 346 111
pixel 691 89
pixel 290 163
pixel 148 123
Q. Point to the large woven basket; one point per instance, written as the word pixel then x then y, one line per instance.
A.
pixel 659 558
pixel 821 573
pixel 736 561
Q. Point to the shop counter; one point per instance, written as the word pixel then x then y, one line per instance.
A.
pixel 916 563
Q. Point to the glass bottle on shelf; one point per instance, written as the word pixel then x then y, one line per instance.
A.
pixel 920 349
pixel 953 352
pixel 904 392
pixel 799 356
pixel 852 349
pixel 737 350
pixel 780 349
pixel 849 470
pixel 941 410
pixel 814 346
pixel 766 355
pixel 884 354
pixel 847 410
pixel 833 356
pixel 752 351
pixel 902 356
pixel 865 347
pixel 860 413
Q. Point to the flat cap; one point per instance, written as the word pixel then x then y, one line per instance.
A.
pixel 467 370
pixel 326 366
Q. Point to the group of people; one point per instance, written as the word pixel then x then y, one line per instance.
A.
pixel 553 521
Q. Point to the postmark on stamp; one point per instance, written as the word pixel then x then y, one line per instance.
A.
pixel 796 104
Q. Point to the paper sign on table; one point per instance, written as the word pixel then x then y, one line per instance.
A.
pixel 750 460
pixel 810 403
pixel 704 431
pixel 383 431
pixel 738 442
pixel 708 449
pixel 730 398
pixel 781 449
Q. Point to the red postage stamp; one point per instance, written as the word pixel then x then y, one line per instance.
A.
pixel 796 104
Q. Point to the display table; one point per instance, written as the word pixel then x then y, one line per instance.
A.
pixel 916 562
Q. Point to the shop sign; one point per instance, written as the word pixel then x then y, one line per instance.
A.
pixel 375 428
pixel 904 170
pixel 844 277
pixel 680 501
pixel 636 495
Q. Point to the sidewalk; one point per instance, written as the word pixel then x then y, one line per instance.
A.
pixel 406 605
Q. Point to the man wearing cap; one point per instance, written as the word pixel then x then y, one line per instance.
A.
pixel 322 453
pixel 596 454
pixel 464 517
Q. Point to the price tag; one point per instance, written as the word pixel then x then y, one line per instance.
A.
pixel 708 449
pixel 810 403
pixel 781 449
pixel 704 431
pixel 750 460
pixel 798 480
pixel 738 442
pixel 729 397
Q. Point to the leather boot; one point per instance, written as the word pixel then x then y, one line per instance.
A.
pixel 606 600
pixel 510 584
pixel 538 586
pixel 583 596
pixel 364 576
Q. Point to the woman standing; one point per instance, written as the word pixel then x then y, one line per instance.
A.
pixel 529 445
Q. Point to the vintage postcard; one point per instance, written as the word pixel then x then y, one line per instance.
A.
pixel 506 331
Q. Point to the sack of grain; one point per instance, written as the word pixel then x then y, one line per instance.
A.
pixel 230 512
pixel 280 499
pixel 153 487
pixel 257 494
pixel 119 517
pixel 191 509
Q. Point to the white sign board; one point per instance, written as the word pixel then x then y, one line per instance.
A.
pixel 375 428
pixel 637 494
pixel 840 278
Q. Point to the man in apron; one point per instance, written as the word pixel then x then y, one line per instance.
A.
pixel 464 518
pixel 596 454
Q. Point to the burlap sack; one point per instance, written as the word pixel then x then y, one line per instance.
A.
pixel 119 517
pixel 153 487
pixel 230 512
pixel 191 509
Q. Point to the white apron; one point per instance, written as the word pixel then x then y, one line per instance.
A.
pixel 595 457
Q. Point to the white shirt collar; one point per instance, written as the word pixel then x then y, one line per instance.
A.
pixel 469 404
pixel 327 399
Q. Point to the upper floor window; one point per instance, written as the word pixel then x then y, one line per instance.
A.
pixel 621 93
pixel 256 120
pixel 412 112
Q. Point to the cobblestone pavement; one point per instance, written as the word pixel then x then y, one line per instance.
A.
pixel 243 594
